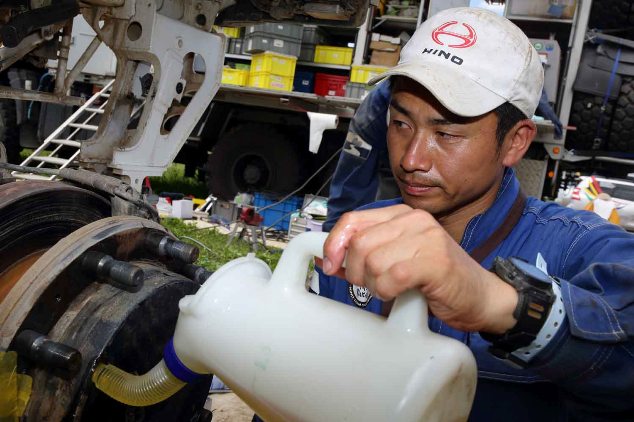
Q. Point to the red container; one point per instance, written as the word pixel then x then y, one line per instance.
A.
pixel 326 84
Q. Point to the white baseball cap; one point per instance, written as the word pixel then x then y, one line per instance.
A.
pixel 472 60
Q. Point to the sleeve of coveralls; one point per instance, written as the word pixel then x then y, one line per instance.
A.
pixel 355 180
pixel 592 355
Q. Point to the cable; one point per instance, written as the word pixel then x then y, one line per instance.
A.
pixel 304 184
pixel 197 242
pixel 270 227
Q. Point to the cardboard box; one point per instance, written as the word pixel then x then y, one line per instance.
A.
pixel 380 37
pixel 183 208
pixel 384 46
pixel 385 58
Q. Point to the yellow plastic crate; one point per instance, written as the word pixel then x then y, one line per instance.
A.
pixel 267 80
pixel 333 55
pixel 234 76
pixel 363 73
pixel 275 63
pixel 229 32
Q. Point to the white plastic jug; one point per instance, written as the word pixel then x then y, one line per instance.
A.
pixel 294 356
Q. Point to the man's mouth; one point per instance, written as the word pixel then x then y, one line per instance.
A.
pixel 417 189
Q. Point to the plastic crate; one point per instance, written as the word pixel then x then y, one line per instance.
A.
pixel 258 42
pixel 304 81
pixel 278 216
pixel 357 90
pixel 326 84
pixel 363 73
pixel 234 76
pixel 235 46
pixel 229 32
pixel 313 35
pixel 226 210
pixel 275 29
pixel 307 52
pixel 333 55
pixel 267 80
pixel 297 225
pixel 275 63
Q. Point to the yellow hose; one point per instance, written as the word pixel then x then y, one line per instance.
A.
pixel 137 390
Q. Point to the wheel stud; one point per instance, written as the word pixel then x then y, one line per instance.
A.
pixel 165 246
pixel 196 273
pixel 117 273
pixel 63 360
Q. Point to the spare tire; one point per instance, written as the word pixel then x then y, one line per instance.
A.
pixel 622 131
pixel 9 131
pixel 253 158
pixel 584 115
pixel 611 14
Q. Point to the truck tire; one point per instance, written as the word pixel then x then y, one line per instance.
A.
pixel 9 131
pixel 253 158
pixel 584 115
pixel 622 131
pixel 610 14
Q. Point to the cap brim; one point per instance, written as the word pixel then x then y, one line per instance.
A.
pixel 458 93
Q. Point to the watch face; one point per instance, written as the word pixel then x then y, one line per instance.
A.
pixel 530 271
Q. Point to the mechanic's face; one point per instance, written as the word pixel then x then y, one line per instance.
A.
pixel 443 163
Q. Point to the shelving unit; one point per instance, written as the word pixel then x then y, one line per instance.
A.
pixel 247 57
pixel 387 24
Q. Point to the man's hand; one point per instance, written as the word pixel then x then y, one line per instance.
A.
pixel 393 249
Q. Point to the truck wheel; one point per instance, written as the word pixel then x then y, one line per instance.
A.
pixel 610 14
pixel 622 132
pixel 253 158
pixel 9 131
pixel 585 115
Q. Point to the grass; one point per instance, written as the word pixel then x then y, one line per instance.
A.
pixel 217 252
pixel 174 180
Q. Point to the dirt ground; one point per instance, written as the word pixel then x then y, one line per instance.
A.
pixel 227 407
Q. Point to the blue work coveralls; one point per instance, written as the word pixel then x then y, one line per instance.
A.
pixel 586 371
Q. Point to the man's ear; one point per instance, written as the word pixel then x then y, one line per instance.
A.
pixel 517 141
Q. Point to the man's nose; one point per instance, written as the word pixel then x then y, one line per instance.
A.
pixel 418 155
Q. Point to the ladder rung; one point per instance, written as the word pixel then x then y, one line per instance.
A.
pixel 94 110
pixel 67 142
pixel 103 94
pixel 84 126
pixel 51 160
pixel 30 176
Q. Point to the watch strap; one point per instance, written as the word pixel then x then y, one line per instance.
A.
pixel 532 310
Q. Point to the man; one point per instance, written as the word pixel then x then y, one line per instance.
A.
pixel 356 180
pixel 547 349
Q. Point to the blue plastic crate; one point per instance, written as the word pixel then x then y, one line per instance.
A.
pixel 304 81
pixel 281 211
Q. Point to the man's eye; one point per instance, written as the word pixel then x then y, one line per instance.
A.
pixel 445 135
pixel 400 124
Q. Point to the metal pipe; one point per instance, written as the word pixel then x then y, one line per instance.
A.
pixel 62 58
pixel 81 63
pixel 23 24
pixel 615 160
pixel 44 97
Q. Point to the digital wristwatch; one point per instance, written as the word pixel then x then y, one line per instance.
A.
pixel 535 299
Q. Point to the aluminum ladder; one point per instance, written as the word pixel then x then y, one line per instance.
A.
pixel 47 155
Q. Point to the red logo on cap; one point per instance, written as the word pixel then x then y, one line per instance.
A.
pixel 466 40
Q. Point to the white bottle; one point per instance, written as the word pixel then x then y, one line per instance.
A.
pixel 294 356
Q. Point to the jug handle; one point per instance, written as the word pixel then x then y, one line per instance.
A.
pixel 408 314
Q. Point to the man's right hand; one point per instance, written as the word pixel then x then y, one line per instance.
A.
pixel 393 249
